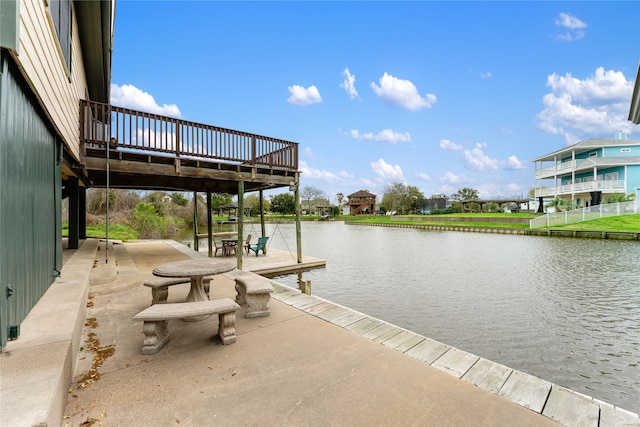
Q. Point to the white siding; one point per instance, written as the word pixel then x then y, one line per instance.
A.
pixel 40 59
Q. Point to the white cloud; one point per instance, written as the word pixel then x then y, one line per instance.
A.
pixel 323 175
pixel 387 171
pixel 451 178
pixel 129 96
pixel 477 160
pixel 567 20
pixel 307 152
pixel 302 96
pixel 594 107
pixel 573 25
pixel 402 93
pixel 423 176
pixel 447 145
pixel 349 84
pixel 386 135
pixel 487 75
pixel 514 163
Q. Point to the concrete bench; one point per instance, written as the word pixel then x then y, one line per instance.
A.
pixel 160 287
pixel 255 291
pixel 156 317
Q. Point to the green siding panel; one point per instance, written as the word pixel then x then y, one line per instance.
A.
pixel 30 188
pixel 9 24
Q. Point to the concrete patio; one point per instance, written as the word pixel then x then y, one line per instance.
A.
pixel 310 363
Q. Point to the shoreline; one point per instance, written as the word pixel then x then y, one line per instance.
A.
pixel 583 234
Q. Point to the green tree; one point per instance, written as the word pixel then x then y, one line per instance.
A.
pixel 252 202
pixel 401 198
pixel 284 204
pixel 465 194
pixel 179 199
pixel 148 222
pixel 619 198
pixel 340 199
pixel 219 199
pixel 562 205
pixel 310 194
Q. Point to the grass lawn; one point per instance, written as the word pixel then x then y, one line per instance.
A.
pixel 626 223
pixel 116 232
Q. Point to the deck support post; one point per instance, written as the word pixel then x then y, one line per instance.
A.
pixel 196 243
pixel 296 193
pixel 209 225
pixel 74 214
pixel 240 215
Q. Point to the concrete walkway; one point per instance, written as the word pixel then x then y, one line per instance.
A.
pixel 310 363
pixel 290 368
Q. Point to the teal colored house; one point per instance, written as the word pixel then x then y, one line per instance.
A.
pixel 589 171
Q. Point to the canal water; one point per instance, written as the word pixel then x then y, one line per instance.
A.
pixel 565 310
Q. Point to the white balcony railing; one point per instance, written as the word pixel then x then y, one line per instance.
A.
pixel 611 186
pixel 561 168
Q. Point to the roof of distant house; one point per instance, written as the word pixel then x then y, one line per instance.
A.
pixel 362 193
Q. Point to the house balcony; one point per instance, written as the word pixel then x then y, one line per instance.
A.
pixel 563 168
pixel 609 186
pixel 125 148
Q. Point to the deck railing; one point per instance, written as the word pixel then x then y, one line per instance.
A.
pixel 133 130
pixel 612 185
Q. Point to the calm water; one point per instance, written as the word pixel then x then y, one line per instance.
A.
pixel 565 310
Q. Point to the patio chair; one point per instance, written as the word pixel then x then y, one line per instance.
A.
pixel 261 246
pixel 217 246
pixel 247 243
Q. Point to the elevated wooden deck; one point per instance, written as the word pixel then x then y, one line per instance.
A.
pixel 149 151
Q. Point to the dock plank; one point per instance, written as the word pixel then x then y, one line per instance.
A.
pixel 399 339
pixel 571 408
pixel 302 300
pixel 455 362
pixel 379 331
pixel 348 319
pixel 364 325
pixel 612 416
pixel 428 350
pixel 526 390
pixel 333 313
pixel 488 375
pixel 410 343
pixel 393 331
pixel 317 309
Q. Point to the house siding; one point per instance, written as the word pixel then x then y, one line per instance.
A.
pixel 30 199
pixel 622 151
pixel 40 58
pixel 633 178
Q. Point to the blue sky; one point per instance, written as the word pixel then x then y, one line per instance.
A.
pixel 438 95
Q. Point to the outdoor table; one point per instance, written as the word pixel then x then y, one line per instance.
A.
pixel 228 245
pixel 196 269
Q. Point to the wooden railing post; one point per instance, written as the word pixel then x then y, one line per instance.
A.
pixel 253 150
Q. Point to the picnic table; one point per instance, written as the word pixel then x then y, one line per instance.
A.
pixel 196 269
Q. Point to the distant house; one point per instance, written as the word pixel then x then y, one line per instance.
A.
pixel 361 203
pixel 587 172
pixel 426 206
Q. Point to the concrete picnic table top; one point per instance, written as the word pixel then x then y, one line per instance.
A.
pixel 196 269
pixel 193 268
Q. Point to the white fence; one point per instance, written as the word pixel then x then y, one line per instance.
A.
pixel 585 214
